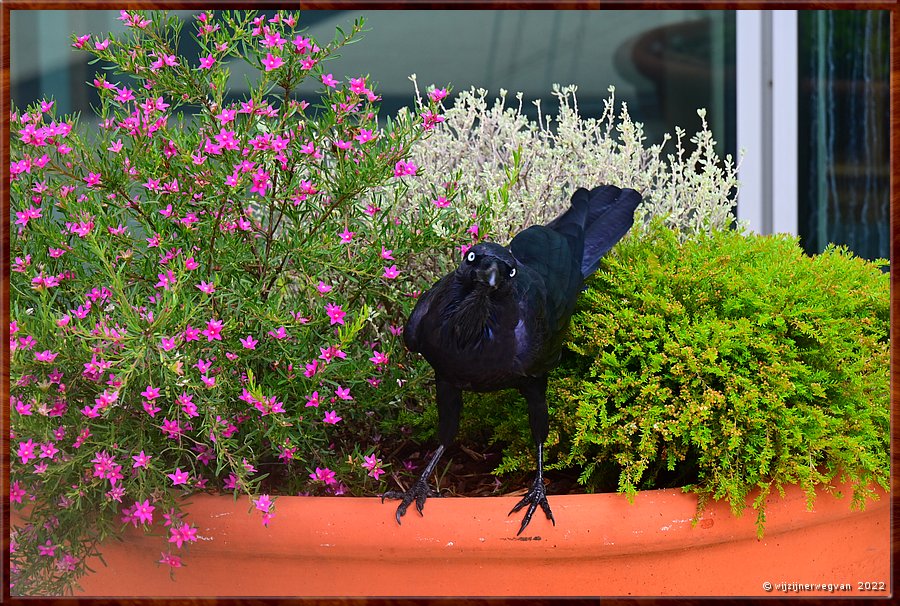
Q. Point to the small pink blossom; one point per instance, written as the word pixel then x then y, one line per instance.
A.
pixel 343 393
pixel 172 560
pixel 213 330
pixel 323 475
pixel 272 62
pixel 391 272
pixel 207 62
pixel 281 333
pixel 140 460
pixel 438 94
pixel 331 417
pixel 143 512
pixel 328 80
pixel 179 477
pixel 335 313
pixel 183 534
pixel 45 356
pixel 249 342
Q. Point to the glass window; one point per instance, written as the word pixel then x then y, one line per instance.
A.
pixel 844 131
pixel 664 64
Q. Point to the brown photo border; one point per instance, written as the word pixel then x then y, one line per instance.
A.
pixel 9 5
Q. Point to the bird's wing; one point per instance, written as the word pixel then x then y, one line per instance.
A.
pixel 556 278
pixel 413 332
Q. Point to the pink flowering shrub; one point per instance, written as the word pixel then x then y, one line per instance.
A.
pixel 207 294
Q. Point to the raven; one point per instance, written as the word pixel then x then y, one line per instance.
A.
pixel 498 321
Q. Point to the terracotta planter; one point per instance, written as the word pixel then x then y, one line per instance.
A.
pixel 602 545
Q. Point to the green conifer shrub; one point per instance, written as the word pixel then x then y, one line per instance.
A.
pixel 723 363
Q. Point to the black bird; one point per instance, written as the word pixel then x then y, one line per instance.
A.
pixel 499 319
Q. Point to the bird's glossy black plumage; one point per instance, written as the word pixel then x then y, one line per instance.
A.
pixel 498 321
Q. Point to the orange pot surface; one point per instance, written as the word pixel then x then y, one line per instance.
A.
pixel 602 545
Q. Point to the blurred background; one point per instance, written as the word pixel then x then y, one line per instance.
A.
pixel 804 93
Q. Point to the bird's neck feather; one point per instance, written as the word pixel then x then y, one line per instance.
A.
pixel 470 317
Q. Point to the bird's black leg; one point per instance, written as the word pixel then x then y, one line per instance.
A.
pixel 535 393
pixel 419 491
pixel 449 402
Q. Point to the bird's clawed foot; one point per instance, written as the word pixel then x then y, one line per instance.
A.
pixel 536 496
pixel 418 492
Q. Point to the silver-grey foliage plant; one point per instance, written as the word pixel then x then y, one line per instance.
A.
pixel 537 165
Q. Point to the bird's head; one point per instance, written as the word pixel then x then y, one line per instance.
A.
pixel 488 266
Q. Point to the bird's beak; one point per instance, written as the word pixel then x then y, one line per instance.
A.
pixel 490 275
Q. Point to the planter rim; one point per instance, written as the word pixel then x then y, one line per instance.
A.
pixel 602 545
pixel 605 525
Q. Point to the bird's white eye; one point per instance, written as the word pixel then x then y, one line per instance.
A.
pixel 512 273
pixel 470 257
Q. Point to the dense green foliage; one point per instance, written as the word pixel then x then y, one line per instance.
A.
pixel 725 363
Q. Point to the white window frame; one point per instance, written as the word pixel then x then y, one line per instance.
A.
pixel 767 88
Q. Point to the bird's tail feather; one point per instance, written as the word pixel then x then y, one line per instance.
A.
pixel 610 216
pixel 595 221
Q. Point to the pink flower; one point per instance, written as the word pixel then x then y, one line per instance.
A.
pixel 203 365
pixel 249 342
pixel 47 549
pixel 404 168
pixel 273 39
pixel 144 511
pixel 206 287
pixel 313 400
pixel 281 333
pixel 391 272
pixel 272 62
pixel 183 534
pixel 441 202
pixel 346 236
pixel 323 475
pixel 358 85
pixel 16 492
pixel 373 464
pixel 179 477
pixel 167 343
pixel 213 330
pixel 378 358
pixel 328 80
pixel 45 356
pixel 331 417
pixel 437 94
pixel 172 560
pixel 323 288
pixel 301 44
pixel 25 451
pixel 335 313
pixel 93 179
pixel 343 393
pixel 330 353
pixel 151 393
pixel 166 280
pixel 140 460
pixel 191 333
pixel 387 254
pixel 207 62
pixel 365 136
